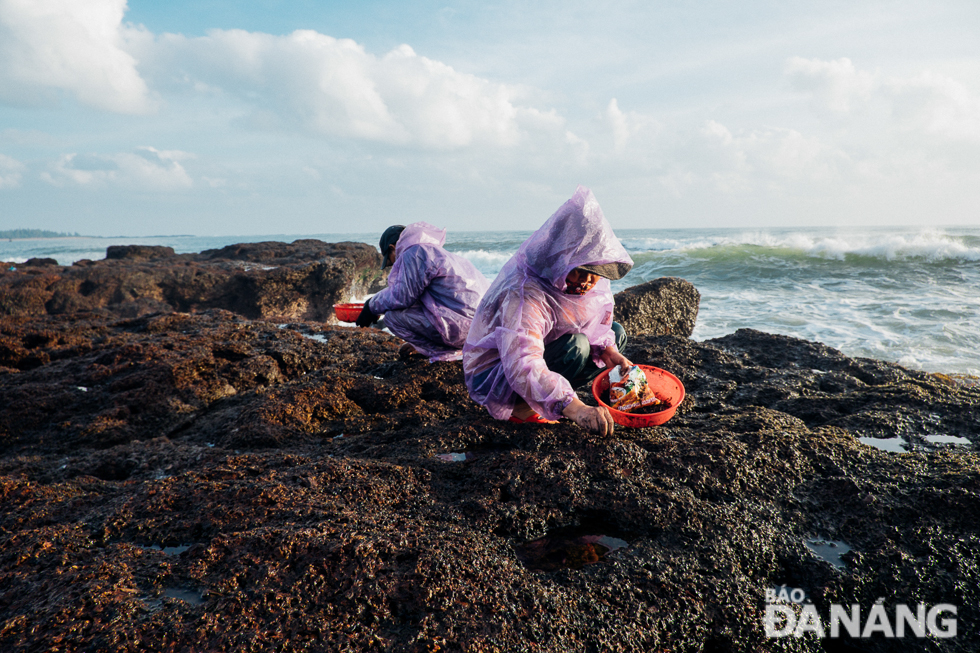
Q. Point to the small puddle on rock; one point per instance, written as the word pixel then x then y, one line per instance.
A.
pixel 947 439
pixel 187 596
pixel 456 457
pixel 172 550
pixel 566 551
pixel 316 336
pixel 829 551
pixel 894 445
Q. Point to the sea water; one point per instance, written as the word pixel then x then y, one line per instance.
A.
pixel 904 295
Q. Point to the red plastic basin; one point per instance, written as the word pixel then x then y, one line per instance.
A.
pixel 665 385
pixel 347 312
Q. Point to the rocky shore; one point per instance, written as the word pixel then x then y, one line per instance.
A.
pixel 301 280
pixel 195 456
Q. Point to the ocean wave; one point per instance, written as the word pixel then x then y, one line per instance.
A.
pixel 488 262
pixel 930 245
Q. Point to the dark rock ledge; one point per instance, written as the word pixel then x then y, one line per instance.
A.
pixel 177 481
pixel 301 280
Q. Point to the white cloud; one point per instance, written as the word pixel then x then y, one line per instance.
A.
pixel 146 168
pixel 928 104
pixel 838 85
pixel 303 81
pixel 677 182
pixel 627 126
pixel 776 153
pixel 749 161
pixel 717 131
pixel 334 87
pixel 76 46
pixel 10 172
pixel 936 105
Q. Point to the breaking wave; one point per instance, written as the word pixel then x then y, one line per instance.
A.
pixel 927 244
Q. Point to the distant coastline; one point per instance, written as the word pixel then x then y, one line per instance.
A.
pixel 20 234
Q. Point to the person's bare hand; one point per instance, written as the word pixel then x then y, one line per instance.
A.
pixel 596 420
pixel 612 358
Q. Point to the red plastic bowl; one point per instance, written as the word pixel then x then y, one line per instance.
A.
pixel 347 312
pixel 665 385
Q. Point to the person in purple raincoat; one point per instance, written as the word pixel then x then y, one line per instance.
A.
pixel 545 325
pixel 432 293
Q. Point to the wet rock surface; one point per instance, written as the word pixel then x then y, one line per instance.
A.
pixel 191 482
pixel 660 307
pixel 301 280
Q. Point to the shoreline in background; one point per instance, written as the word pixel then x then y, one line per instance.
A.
pixel 83 236
pixel 11 234
pixel 44 238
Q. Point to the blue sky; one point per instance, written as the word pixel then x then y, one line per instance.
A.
pixel 215 117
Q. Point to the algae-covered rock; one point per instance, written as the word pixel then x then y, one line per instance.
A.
pixel 664 306
pixel 301 280
pixel 202 481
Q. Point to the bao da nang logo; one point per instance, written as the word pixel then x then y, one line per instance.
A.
pixel 787 614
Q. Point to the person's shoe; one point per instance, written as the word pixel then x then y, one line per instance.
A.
pixel 407 350
pixel 533 418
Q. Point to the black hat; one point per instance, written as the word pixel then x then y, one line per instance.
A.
pixel 389 237
pixel 609 270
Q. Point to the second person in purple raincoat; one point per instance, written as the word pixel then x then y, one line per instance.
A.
pixel 432 294
pixel 545 325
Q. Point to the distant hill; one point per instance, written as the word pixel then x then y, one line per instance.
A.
pixel 34 233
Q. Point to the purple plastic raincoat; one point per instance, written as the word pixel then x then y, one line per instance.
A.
pixel 432 294
pixel 526 308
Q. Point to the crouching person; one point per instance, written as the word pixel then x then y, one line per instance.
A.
pixel 432 294
pixel 545 325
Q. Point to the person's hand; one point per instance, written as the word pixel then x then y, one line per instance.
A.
pixel 593 419
pixel 612 358
pixel 367 317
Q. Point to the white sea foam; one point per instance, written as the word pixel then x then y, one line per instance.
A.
pixel 487 262
pixel 929 244
pixel 657 244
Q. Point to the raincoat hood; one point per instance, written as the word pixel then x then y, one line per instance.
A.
pixel 577 234
pixel 419 233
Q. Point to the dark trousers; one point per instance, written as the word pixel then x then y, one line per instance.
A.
pixel 571 356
